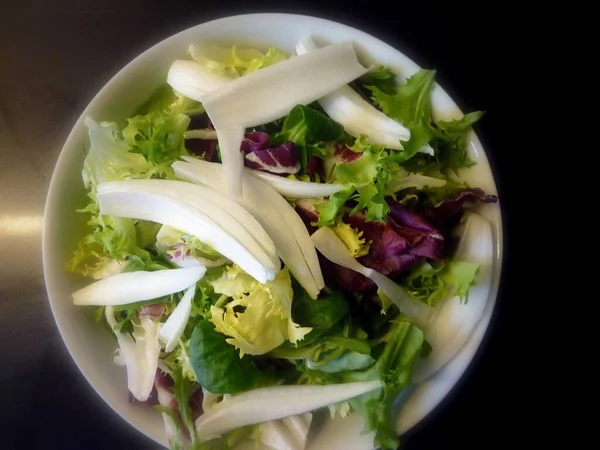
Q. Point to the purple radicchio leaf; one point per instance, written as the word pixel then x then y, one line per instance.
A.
pixel 155 310
pixel 281 160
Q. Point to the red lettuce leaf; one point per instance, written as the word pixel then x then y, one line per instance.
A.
pixel 314 167
pixel 397 244
pixel 204 148
pixel 155 310
pixel 345 155
pixel 281 160
pixel 254 141
pixel 451 209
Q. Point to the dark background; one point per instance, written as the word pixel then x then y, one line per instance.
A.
pixel 54 57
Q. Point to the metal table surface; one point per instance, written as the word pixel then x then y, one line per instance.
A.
pixel 54 57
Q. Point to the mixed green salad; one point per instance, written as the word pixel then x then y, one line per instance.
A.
pixel 274 234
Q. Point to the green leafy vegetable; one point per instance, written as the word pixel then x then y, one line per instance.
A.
pixel 381 77
pixel 433 281
pixel 330 210
pixel 217 365
pixel 321 314
pixel 183 389
pixel 365 180
pixel 308 129
pixel 259 316
pixel 352 239
pixel 234 61
pixel 347 362
pixel 450 141
pixel 461 276
pixel 158 137
pixel 394 368
pixel 411 106
pixel 166 100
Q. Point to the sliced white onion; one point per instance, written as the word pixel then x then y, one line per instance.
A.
pixel 272 403
pixel 234 219
pixel 201 133
pixel 289 433
pixel 277 218
pixel 270 93
pixel 173 327
pixel 355 114
pixel 296 188
pixel 296 226
pixel 194 80
pixel 140 353
pixel 169 210
pixel 131 287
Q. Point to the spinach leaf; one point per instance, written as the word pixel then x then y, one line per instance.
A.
pixel 217 364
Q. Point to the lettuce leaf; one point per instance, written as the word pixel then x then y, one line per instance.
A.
pixel 394 367
pixel 218 367
pixel 381 77
pixel 166 100
pixel 157 137
pixel 178 246
pixel 352 238
pixel 309 130
pixel 261 155
pixel 411 106
pixel 234 61
pixel 108 247
pixel 450 141
pixel 460 276
pixel 112 157
pixel 259 316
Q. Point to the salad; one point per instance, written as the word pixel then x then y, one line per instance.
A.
pixel 271 235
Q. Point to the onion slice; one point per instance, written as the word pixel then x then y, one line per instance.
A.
pixel 275 402
pixel 131 287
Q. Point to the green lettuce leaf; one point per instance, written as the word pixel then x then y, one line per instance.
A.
pixel 166 101
pixel 432 281
pixel 183 389
pixel 322 314
pixel 411 106
pixel 234 61
pixel 309 130
pixel 450 142
pixel 365 180
pixel 381 77
pixel 460 277
pixel 110 158
pixel 170 242
pixel 217 365
pixel 394 367
pixel 157 137
pixel 329 210
pixel 259 316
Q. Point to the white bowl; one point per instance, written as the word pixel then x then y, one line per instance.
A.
pixel 91 345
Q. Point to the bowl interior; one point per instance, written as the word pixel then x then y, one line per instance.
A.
pixel 89 343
